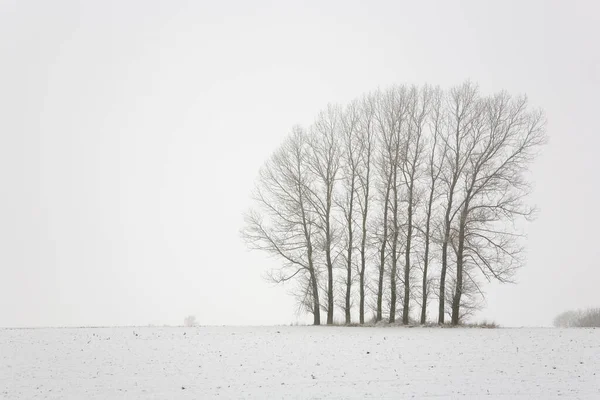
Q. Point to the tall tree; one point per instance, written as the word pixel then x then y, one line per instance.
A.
pixel 395 107
pixel 324 163
pixel 462 109
pixel 383 122
pixel 418 109
pixel 505 141
pixel 433 172
pixel 283 225
pixel 349 124
pixel 366 140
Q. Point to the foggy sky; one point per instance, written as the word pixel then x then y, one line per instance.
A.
pixel 131 133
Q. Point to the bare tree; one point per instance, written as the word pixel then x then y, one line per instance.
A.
pixel 434 170
pixel 391 120
pixel 285 222
pixel 383 239
pixel 324 163
pixel 462 110
pixel 395 232
pixel 351 158
pixel 398 102
pixel 418 109
pixel 386 173
pixel 505 140
pixel 366 143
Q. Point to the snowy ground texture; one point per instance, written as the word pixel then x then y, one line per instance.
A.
pixel 299 363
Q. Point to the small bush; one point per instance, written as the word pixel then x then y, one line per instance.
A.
pixel 484 324
pixel 190 321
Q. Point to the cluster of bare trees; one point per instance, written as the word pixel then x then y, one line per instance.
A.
pixel 400 198
pixel 589 318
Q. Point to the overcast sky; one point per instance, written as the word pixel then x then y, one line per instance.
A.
pixel 131 133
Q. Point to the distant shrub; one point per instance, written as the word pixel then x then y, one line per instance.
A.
pixel 566 319
pixel 589 318
pixel 190 321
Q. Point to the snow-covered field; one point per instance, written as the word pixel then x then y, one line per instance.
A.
pixel 299 363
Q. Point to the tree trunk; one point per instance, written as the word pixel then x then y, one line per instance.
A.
pixel 328 259
pixel 362 299
pixel 316 305
pixel 379 316
pixel 363 262
pixel 329 289
pixel 406 306
pixel 426 258
pixel 348 293
pixel 447 222
pixel 459 265
pixel 350 248
pixel 311 265
pixel 380 285
pixel 442 302
pixel 442 305
pixel 393 297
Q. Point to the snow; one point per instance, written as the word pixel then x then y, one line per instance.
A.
pixel 299 363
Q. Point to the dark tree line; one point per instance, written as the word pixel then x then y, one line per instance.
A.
pixel 402 197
